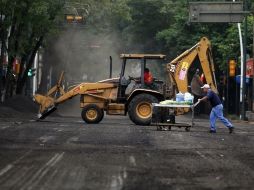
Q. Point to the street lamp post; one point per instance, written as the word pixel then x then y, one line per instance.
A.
pixel 253 63
pixel 243 115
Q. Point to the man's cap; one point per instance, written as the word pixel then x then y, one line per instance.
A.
pixel 206 86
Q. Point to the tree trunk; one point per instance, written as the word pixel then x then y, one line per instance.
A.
pixel 1 66
pixel 42 89
pixel 9 78
pixel 22 82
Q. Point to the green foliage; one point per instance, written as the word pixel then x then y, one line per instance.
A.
pixel 150 26
pixel 28 20
pixel 145 26
pixel 26 23
pixel 163 25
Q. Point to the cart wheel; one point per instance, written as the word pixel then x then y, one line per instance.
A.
pixel 187 129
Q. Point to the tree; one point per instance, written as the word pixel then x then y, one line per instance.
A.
pixel 28 23
pixel 146 26
pixel 150 26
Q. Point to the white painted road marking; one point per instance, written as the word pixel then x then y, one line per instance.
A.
pixel 10 166
pixel 133 160
pixel 45 139
pixel 43 171
pixel 6 169
pixel 202 155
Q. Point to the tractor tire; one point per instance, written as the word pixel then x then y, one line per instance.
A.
pixel 140 109
pixel 92 114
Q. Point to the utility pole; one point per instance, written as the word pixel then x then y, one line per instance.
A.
pixel 253 62
pixel 244 64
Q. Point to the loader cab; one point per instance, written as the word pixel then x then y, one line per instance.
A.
pixel 132 72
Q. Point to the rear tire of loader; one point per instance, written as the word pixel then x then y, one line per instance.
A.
pixel 92 114
pixel 140 109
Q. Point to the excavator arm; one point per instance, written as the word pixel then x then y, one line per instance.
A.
pixel 178 68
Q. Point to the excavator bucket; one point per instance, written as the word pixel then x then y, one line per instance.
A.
pixel 47 105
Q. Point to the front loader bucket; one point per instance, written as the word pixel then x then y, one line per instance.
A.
pixel 46 112
pixel 47 105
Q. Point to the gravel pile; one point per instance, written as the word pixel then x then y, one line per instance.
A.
pixel 22 106
pixel 18 106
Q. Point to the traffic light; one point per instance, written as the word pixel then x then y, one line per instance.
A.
pixel 70 18
pixel 232 67
pixel 79 19
pixel 31 72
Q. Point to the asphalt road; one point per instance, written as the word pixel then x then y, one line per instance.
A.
pixel 64 153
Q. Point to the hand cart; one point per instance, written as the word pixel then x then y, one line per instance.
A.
pixel 164 116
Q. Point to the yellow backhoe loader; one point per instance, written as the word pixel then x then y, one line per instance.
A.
pixel 110 95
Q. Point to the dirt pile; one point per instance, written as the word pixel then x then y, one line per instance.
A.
pixel 18 106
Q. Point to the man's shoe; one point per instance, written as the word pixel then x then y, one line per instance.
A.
pixel 231 130
pixel 212 131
